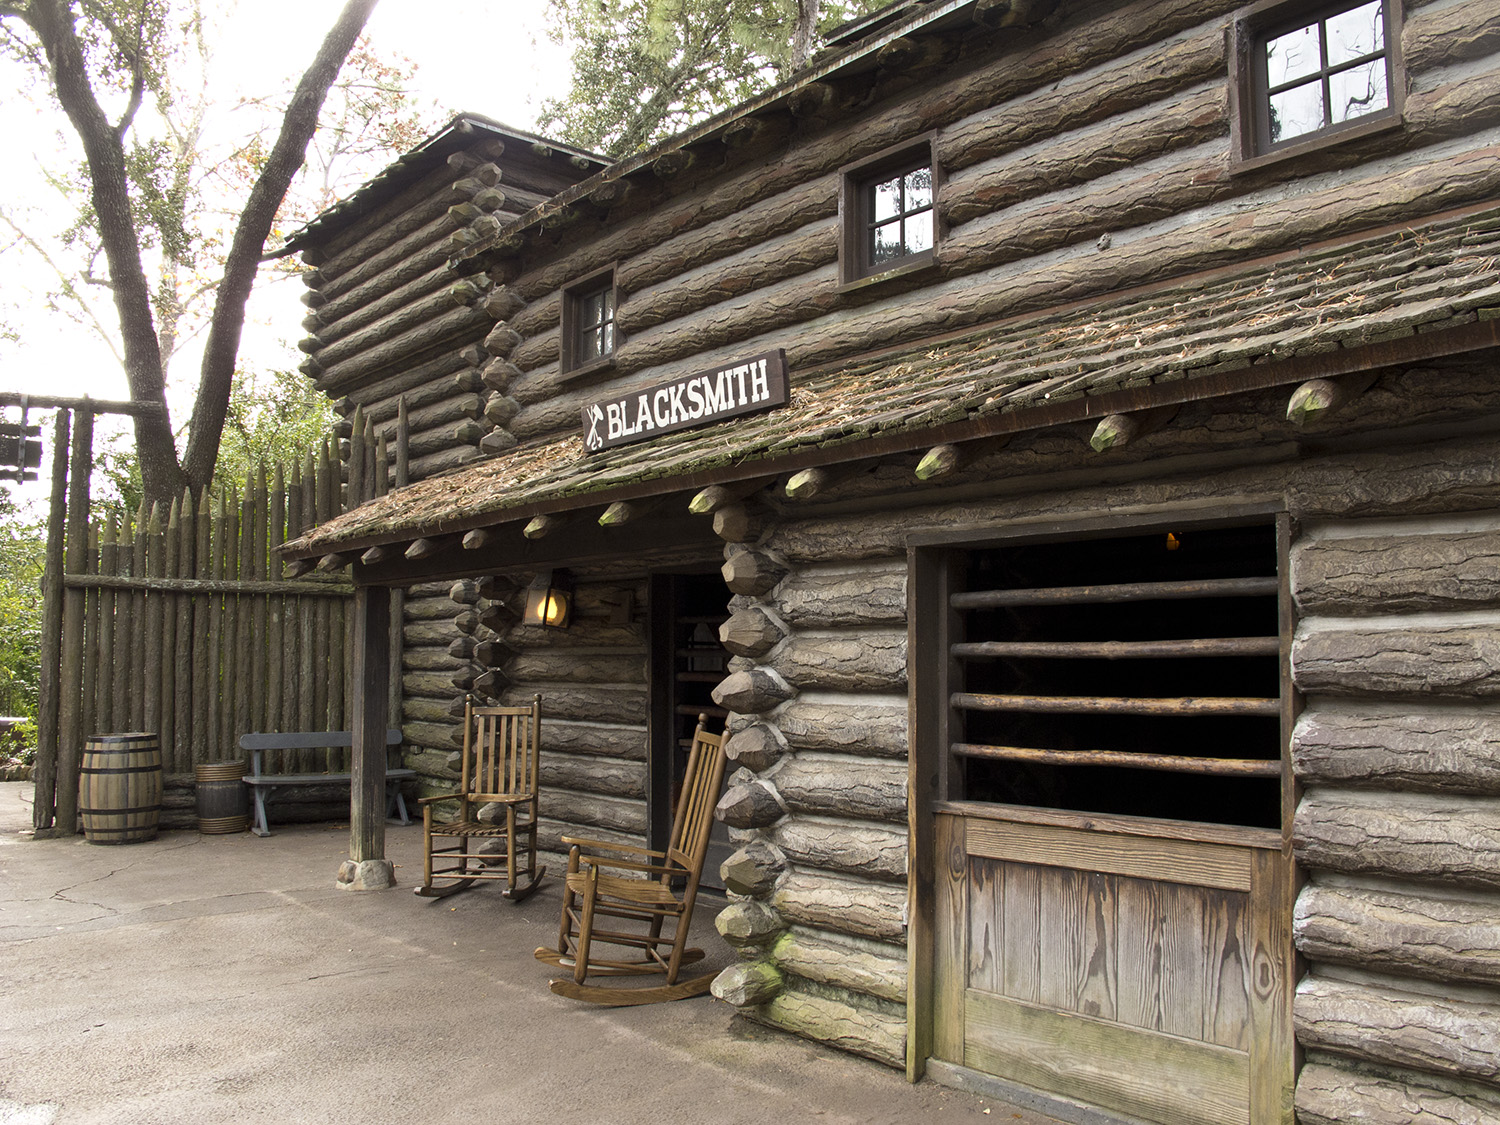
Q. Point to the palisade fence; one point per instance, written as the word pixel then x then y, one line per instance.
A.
pixel 178 621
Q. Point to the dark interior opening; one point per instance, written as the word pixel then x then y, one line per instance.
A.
pixel 1215 553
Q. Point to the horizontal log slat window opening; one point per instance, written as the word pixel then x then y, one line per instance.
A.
pixel 1137 675
pixel 588 325
pixel 889 213
pixel 1307 76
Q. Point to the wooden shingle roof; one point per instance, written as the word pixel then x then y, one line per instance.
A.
pixel 1399 296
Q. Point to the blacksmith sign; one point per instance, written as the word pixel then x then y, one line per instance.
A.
pixel 752 385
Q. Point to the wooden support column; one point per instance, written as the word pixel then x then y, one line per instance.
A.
pixel 367 869
pixel 52 594
pixel 70 733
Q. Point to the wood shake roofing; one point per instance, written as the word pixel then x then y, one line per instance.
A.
pixel 1204 333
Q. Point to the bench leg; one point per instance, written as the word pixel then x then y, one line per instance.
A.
pixel 259 826
pixel 395 804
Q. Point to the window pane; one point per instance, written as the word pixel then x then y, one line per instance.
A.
pixel 1356 33
pixel 1293 55
pixel 607 305
pixel 1297 111
pixel 919 189
pixel 887 200
pixel 919 233
pixel 887 244
pixel 589 307
pixel 607 339
pixel 1358 91
pixel 588 345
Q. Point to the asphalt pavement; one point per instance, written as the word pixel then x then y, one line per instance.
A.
pixel 226 979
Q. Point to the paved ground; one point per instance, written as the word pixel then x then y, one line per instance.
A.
pixel 225 979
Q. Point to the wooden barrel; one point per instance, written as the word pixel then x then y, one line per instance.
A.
pixel 119 793
pixel 223 801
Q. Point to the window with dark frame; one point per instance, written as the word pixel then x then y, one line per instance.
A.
pixel 589 323
pixel 889 213
pixel 1316 74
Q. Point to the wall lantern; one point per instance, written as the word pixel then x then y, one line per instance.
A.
pixel 549 599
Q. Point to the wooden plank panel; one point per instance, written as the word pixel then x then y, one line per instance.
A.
pixel 1153 1076
pixel 1176 861
pixel 1020 972
pixel 1077 938
pixel 1142 959
pixel 1226 1008
pixel 985 896
pixel 950 936
pixel 1273 975
pixel 1184 984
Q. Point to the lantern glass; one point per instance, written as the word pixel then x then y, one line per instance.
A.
pixel 549 600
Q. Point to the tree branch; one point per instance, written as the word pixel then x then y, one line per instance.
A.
pixel 240 267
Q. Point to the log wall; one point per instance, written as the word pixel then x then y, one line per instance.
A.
pixel 1398 829
pixel 1085 156
pixel 817 798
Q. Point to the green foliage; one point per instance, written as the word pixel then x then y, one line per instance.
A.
pixel 272 420
pixel 646 69
pixel 23 546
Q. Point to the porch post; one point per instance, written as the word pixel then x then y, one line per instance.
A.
pixel 367 869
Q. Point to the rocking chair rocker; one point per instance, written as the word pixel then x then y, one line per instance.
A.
pixel 500 771
pixel 638 895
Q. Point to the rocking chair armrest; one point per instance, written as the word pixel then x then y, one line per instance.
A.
pixel 630 865
pixel 605 846
pixel 502 798
pixel 439 797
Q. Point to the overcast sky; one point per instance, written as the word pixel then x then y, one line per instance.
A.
pixel 484 56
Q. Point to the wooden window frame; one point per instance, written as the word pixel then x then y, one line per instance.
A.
pixel 856 269
pixel 1252 26
pixel 574 293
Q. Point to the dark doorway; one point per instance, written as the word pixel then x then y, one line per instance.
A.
pixel 687 663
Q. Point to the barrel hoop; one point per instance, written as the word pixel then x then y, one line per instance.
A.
pixel 121 769
pixel 122 812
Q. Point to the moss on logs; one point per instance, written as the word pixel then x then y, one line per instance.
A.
pixel 860 1028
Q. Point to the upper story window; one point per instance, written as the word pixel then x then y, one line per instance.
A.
pixel 588 322
pixel 1309 75
pixel 889 208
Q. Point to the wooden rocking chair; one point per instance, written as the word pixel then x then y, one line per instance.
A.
pixel 638 895
pixel 499 768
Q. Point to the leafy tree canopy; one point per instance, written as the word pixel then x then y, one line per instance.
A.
pixel 646 69
pixel 133 79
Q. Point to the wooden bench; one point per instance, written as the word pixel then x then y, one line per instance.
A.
pixel 263 786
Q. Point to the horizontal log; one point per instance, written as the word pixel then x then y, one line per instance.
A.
pixel 753 869
pixel 1187 119
pixel 417 709
pixel 434 736
pixel 592 739
pixel 1419 836
pixel 440 377
pixel 435 463
pixel 837 597
pixel 751 631
pixel 757 747
pixel 852 1027
pixel 593 810
pixel 753 692
pixel 313 588
pixel 423 249
pixel 1436 939
pixel 1118 592
pixel 1119 650
pixel 1160 763
pixel 1396 573
pixel 1460 662
pixel 842 904
pixel 438 632
pixel 562 666
pixel 872 725
pixel 752 572
pixel 430 660
pixel 746 925
pixel 733 275
pixel 1373 1023
pixel 441 439
pixel 870 659
pixel 433 685
pixel 874 968
pixel 593 774
pixel 1108 705
pixel 551 833
pixel 1328 1094
pixel 844 786
pixel 584 704
pixel 750 804
pixel 747 984
pixel 843 847
pixel 411 210
pixel 1441 751
pixel 453 327
pixel 336 320
pixel 432 608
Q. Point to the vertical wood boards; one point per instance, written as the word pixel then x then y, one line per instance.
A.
pixel 371 641
pixel 51 646
pixel 1142 974
pixel 69 733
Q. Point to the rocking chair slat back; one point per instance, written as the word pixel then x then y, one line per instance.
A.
pixel 500 751
pixel 695 804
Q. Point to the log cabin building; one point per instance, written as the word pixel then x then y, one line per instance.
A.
pixel 1060 440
